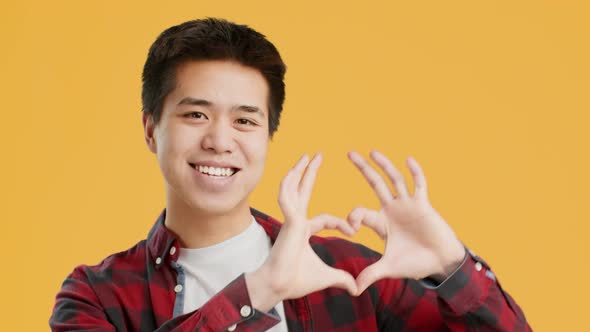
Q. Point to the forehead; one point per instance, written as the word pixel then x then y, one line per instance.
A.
pixel 224 83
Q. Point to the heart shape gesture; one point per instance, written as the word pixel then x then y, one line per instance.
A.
pixel 418 241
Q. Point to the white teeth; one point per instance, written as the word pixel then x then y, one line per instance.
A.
pixel 216 171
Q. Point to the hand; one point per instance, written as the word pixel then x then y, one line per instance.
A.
pixel 292 269
pixel 418 241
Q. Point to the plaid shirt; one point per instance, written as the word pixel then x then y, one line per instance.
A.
pixel 137 290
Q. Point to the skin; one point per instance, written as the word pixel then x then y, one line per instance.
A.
pixel 224 131
pixel 228 129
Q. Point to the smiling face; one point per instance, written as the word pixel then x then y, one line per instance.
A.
pixel 213 135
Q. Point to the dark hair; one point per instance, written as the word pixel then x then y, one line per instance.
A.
pixel 211 39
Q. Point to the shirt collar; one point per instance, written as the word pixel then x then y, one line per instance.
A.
pixel 162 244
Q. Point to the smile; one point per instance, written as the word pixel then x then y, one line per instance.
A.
pixel 215 171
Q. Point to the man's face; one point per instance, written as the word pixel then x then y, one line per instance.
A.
pixel 212 138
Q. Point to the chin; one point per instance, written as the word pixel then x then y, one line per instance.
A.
pixel 214 205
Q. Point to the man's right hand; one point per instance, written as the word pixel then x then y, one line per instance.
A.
pixel 292 269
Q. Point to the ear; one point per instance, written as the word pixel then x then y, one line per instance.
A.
pixel 148 129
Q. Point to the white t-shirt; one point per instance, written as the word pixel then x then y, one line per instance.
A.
pixel 208 270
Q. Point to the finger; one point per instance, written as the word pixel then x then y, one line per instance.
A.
pixel 371 274
pixel 308 180
pixel 363 216
pixel 371 175
pixel 289 182
pixel 355 217
pixel 394 175
pixel 326 221
pixel 340 279
pixel 420 188
pixel 299 168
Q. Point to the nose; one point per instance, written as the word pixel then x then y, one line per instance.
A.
pixel 218 137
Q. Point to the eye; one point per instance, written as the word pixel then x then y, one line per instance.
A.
pixel 195 115
pixel 245 122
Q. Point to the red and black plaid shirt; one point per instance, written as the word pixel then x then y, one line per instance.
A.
pixel 135 290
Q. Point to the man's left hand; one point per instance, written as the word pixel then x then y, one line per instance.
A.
pixel 418 241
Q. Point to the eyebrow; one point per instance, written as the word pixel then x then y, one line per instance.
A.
pixel 202 102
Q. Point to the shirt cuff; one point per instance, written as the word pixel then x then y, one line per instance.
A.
pixel 430 283
pixel 232 307
pixel 466 286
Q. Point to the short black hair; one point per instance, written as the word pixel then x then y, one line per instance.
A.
pixel 211 39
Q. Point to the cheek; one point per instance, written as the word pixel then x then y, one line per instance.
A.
pixel 172 145
pixel 256 152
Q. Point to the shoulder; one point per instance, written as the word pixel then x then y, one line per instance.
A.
pixel 97 293
pixel 343 254
pixel 114 268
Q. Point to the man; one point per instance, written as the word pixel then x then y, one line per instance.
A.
pixel 212 96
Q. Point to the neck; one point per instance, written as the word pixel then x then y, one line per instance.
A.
pixel 196 228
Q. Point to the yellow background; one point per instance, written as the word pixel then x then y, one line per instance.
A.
pixel 491 97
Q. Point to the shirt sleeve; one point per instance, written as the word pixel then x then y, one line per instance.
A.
pixel 79 308
pixel 471 298
pixel 227 310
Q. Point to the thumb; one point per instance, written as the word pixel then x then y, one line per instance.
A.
pixel 341 279
pixel 371 274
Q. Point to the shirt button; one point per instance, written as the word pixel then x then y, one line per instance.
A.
pixel 245 311
pixel 172 251
pixel 158 260
pixel 178 288
pixel 478 266
pixel 233 327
